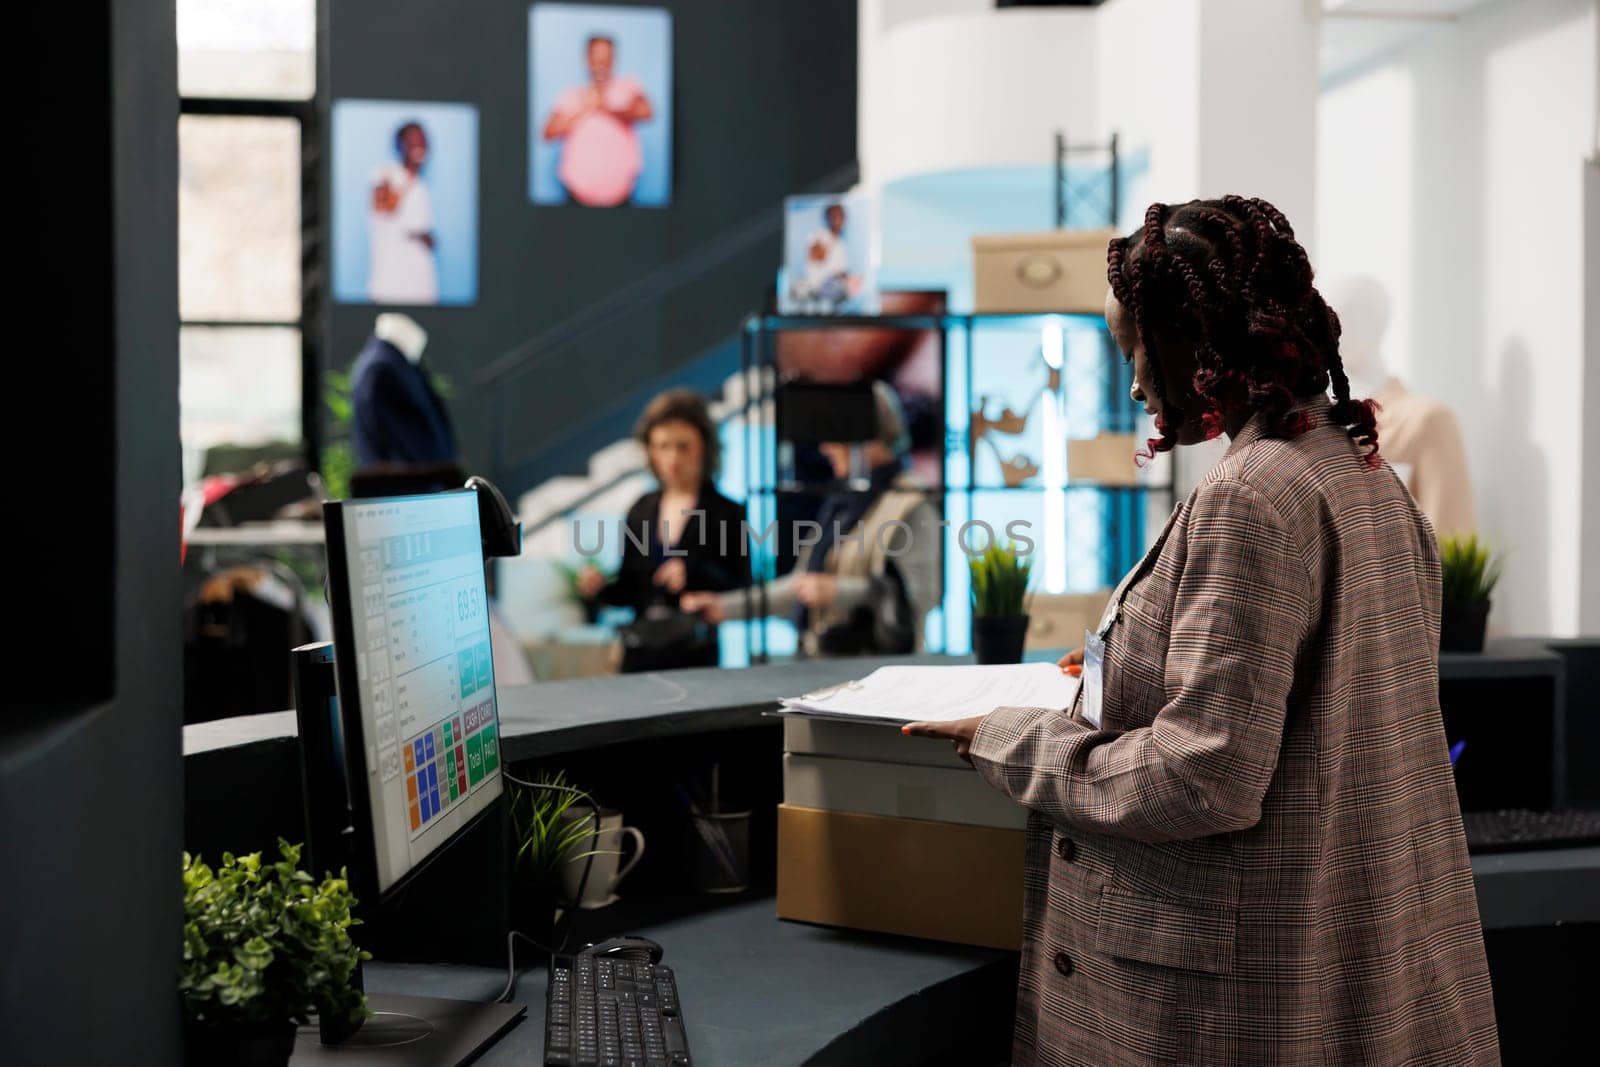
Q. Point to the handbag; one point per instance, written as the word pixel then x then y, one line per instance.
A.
pixel 663 638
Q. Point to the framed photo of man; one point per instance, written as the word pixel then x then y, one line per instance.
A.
pixel 405 202
pixel 827 256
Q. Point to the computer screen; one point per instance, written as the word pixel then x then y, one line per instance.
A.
pixel 411 611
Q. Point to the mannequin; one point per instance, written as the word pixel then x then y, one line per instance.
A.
pixel 1419 437
pixel 403 332
pixel 398 418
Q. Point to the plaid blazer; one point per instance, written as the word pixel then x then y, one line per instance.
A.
pixel 1258 859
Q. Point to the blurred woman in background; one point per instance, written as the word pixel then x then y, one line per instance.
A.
pixel 682 535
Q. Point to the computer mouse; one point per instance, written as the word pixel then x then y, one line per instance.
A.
pixel 632 948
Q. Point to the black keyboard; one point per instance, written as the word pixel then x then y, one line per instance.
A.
pixel 1519 828
pixel 607 1012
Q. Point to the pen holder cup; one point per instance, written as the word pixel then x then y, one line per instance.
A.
pixel 719 852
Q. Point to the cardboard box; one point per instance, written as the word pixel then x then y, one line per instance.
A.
pixel 942 881
pixel 1105 458
pixel 1059 270
pixel 867 741
pixel 898 790
pixel 1058 620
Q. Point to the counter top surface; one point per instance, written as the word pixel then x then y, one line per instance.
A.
pixel 552 718
pixel 755 988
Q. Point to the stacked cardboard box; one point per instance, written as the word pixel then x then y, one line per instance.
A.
pixel 895 834
pixel 1106 459
pixel 1058 270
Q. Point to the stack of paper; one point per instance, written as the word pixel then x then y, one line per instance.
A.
pixel 938 694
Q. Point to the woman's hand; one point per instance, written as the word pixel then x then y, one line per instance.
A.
pixel 590 582
pixel 672 576
pixel 1071 663
pixel 707 605
pixel 815 590
pixel 960 732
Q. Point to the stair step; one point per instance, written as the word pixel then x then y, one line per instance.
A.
pixel 616 459
pixel 550 496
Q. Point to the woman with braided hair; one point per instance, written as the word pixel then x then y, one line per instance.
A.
pixel 1244 844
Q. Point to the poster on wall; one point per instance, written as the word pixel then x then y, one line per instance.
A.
pixel 600 105
pixel 827 256
pixel 405 202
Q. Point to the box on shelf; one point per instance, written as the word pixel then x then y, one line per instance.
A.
pixel 899 790
pixel 1106 458
pixel 937 880
pixel 1059 270
pixel 1058 620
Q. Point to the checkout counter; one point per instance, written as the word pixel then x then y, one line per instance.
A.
pixel 756 988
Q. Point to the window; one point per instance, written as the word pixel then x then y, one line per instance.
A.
pixel 238 385
pixel 264 49
pixel 238 218
pixel 247 129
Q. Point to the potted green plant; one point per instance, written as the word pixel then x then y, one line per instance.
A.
pixel 999 603
pixel 546 838
pixel 1469 571
pixel 264 945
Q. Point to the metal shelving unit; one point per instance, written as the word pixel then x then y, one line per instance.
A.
pixel 1121 536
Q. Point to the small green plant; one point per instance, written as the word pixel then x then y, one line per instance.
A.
pixel 1000 582
pixel 264 942
pixel 1469 569
pixel 338 393
pixel 546 838
pixel 338 457
pixel 338 467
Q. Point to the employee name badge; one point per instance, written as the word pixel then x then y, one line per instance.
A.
pixel 1094 654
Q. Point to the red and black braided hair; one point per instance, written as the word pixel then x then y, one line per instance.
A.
pixel 1227 279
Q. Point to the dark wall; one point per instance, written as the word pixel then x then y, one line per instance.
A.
pixel 764 106
pixel 90 774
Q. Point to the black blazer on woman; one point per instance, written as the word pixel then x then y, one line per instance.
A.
pixel 709 567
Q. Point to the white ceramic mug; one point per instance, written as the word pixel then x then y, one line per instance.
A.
pixel 604 870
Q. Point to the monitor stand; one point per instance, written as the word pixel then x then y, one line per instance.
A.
pixel 405 1030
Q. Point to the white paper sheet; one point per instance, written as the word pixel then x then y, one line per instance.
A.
pixel 938 694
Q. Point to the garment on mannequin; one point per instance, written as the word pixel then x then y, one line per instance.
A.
pixel 1420 437
pixel 398 417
